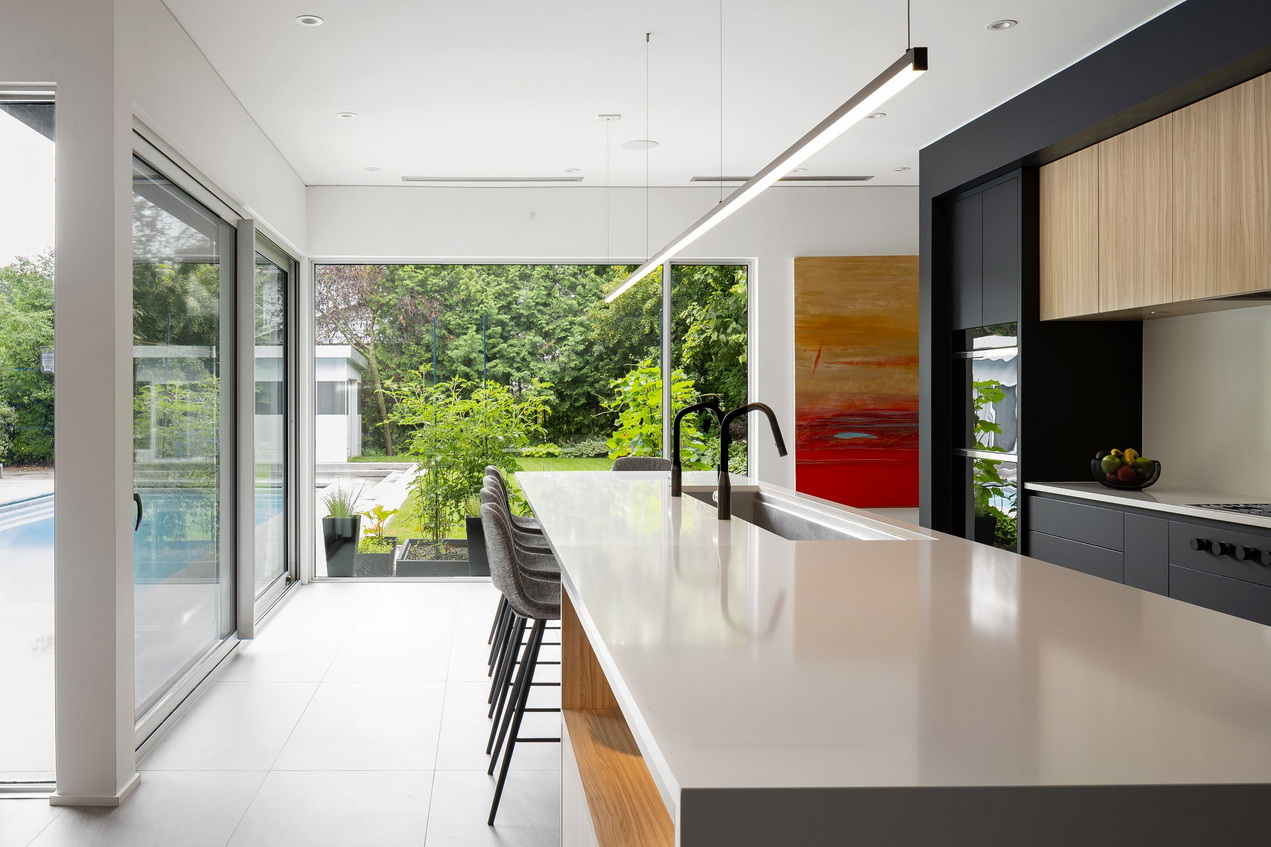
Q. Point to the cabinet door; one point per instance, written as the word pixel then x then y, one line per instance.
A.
pixel 968 262
pixel 1136 217
pixel 1001 253
pixel 1223 200
pixel 1070 236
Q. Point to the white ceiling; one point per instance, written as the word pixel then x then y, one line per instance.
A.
pixel 513 87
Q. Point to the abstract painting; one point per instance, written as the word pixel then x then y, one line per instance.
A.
pixel 856 379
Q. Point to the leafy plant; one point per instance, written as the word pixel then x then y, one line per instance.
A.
pixel 542 451
pixel 637 406
pixel 592 448
pixel 341 502
pixel 380 516
pixel 376 544
pixel 26 327
pixel 987 482
pixel 454 429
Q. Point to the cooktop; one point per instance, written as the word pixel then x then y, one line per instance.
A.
pixel 1261 510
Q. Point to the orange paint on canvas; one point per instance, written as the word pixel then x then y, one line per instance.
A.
pixel 856 379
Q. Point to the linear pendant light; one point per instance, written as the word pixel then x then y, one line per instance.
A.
pixel 905 70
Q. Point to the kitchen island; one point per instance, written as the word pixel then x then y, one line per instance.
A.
pixel 723 685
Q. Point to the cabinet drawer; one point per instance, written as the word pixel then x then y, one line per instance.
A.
pixel 1180 552
pixel 1232 596
pixel 1086 558
pixel 1077 522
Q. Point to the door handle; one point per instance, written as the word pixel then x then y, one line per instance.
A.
pixel 137 499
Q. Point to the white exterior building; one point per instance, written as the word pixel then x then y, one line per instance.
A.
pixel 337 404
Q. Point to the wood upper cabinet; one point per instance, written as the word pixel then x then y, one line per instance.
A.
pixel 1136 220
pixel 1070 236
pixel 1222 209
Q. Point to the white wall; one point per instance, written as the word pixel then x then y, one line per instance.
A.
pixel 170 85
pixel 445 224
pixel 1207 399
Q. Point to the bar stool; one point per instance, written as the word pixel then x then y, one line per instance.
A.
pixel 521 522
pixel 641 463
pixel 531 600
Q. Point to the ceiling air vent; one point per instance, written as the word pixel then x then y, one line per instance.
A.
pixel 741 179
pixel 488 180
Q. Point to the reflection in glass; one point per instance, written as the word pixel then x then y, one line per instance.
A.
pixel 995 494
pixel 270 424
pixel 26 443
pixel 182 285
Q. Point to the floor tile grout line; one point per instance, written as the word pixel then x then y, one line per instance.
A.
pixel 246 808
pixel 47 824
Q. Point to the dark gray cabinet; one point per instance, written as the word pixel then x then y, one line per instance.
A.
pixel 1154 551
pixel 968 262
pixel 985 241
pixel 1001 253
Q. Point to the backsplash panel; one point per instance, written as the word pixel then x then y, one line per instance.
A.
pixel 1207 399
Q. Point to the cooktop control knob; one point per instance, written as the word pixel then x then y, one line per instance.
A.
pixel 1200 543
pixel 1220 548
pixel 1244 553
pixel 1265 557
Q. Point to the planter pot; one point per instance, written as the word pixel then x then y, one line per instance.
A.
pixel 986 529
pixel 340 536
pixel 376 564
pixel 478 562
pixel 433 567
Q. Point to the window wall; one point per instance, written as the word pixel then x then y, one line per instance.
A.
pixel 403 353
pixel 273 490
pixel 26 440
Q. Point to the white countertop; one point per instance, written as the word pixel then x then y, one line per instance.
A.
pixel 743 660
pixel 1176 500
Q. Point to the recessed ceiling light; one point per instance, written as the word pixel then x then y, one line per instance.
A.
pixel 639 144
pixel 309 20
pixel 373 169
pixel 348 116
pixel 573 170
pixel 906 168
pixel 873 116
pixel 1005 23
pixel 1159 312
pixel 799 171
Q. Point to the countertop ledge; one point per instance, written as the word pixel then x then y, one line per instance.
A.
pixel 1176 500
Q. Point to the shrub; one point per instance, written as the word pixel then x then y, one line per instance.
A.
pixel 454 429
pixel 594 448
pixel 542 451
pixel 637 403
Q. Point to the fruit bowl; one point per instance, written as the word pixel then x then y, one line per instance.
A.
pixel 1145 476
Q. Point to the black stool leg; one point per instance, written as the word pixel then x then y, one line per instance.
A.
pixel 521 694
pixel 507 667
pixel 497 632
pixel 498 617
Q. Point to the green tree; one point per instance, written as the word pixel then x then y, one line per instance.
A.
pixel 637 408
pixel 454 429
pixel 26 393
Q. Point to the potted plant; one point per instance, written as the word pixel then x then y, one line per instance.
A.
pixel 340 528
pixel 478 562
pixel 456 428
pixel 994 525
pixel 376 551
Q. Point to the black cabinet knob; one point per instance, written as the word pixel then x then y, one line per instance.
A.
pixel 1244 553
pixel 1265 557
pixel 1200 543
pixel 1220 548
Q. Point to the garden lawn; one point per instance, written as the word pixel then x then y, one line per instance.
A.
pixel 405 524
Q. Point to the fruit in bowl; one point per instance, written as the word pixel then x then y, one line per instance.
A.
pixel 1125 469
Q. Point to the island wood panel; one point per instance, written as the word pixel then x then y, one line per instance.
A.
pixel 1136 254
pixel 1222 206
pixel 618 791
pixel 1070 236
pixel 583 684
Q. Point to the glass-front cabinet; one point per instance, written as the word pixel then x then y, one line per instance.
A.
pixel 989 366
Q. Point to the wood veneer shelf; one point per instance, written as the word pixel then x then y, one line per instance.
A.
pixel 626 808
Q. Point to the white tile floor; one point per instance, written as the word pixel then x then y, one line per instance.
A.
pixel 356 717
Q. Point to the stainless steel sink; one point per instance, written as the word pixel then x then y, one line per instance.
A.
pixel 796 519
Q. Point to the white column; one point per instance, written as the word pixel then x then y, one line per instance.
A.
pixel 93 582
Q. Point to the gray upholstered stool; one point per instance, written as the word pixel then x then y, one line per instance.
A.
pixel 530 600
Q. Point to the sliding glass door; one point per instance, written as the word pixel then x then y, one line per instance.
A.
pixel 272 490
pixel 183 289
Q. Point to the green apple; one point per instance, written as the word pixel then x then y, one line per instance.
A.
pixel 1109 464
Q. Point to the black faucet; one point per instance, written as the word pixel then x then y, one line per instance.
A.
pixel 724 491
pixel 711 405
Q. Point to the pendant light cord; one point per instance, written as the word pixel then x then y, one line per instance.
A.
pixel 721 101
pixel 608 200
pixel 647 39
pixel 909 37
